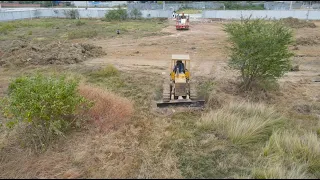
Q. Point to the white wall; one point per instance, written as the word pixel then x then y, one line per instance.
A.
pixel 98 4
pixel 100 12
pixel 84 13
pixel 156 13
pixel 276 14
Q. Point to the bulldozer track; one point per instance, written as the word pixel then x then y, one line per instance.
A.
pixel 166 92
pixel 193 92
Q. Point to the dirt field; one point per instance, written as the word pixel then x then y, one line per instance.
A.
pixel 151 145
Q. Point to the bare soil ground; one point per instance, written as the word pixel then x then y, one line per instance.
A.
pixel 205 43
pixel 140 149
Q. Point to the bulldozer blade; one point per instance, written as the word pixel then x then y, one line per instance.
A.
pixel 191 103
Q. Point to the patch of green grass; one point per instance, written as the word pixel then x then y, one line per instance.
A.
pixel 82 34
pixel 28 23
pixel 108 71
pixel 223 143
pixel 61 29
pixel 139 87
pixel 202 154
pixel 5 28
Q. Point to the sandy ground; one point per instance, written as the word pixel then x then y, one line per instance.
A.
pixel 203 42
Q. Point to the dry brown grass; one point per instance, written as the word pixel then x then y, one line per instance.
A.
pixel 109 110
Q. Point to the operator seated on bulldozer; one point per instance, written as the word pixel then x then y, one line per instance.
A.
pixel 183 16
pixel 180 66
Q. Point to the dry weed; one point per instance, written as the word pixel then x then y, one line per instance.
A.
pixel 242 122
pixel 277 170
pixel 301 149
pixel 109 110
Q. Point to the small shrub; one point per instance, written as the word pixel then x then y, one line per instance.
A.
pixel 294 68
pixel 259 50
pixel 45 106
pixel 117 14
pixel 29 33
pixel 72 14
pixel 108 71
pixel 242 123
pixel 80 23
pixel 135 13
pixel 205 90
pixel 82 34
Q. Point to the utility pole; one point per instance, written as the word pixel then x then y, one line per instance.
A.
pixel 164 5
pixel 290 5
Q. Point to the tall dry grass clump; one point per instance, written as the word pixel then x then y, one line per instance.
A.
pixel 302 149
pixel 242 123
pixel 109 110
pixel 277 170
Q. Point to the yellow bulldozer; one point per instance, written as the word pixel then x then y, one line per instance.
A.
pixel 179 90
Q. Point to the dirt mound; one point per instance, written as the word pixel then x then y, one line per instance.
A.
pixel 21 53
pixel 308 41
pixel 296 23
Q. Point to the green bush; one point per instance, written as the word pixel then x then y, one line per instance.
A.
pixel 72 14
pixel 259 50
pixel 45 106
pixel 135 13
pixel 117 14
pixel 80 23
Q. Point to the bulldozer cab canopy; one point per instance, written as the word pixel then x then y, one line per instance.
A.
pixel 184 58
pixel 180 57
pixel 186 16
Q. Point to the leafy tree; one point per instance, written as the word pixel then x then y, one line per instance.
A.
pixel 72 13
pixel 259 50
pixel 135 13
pixel 47 3
pixel 117 14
